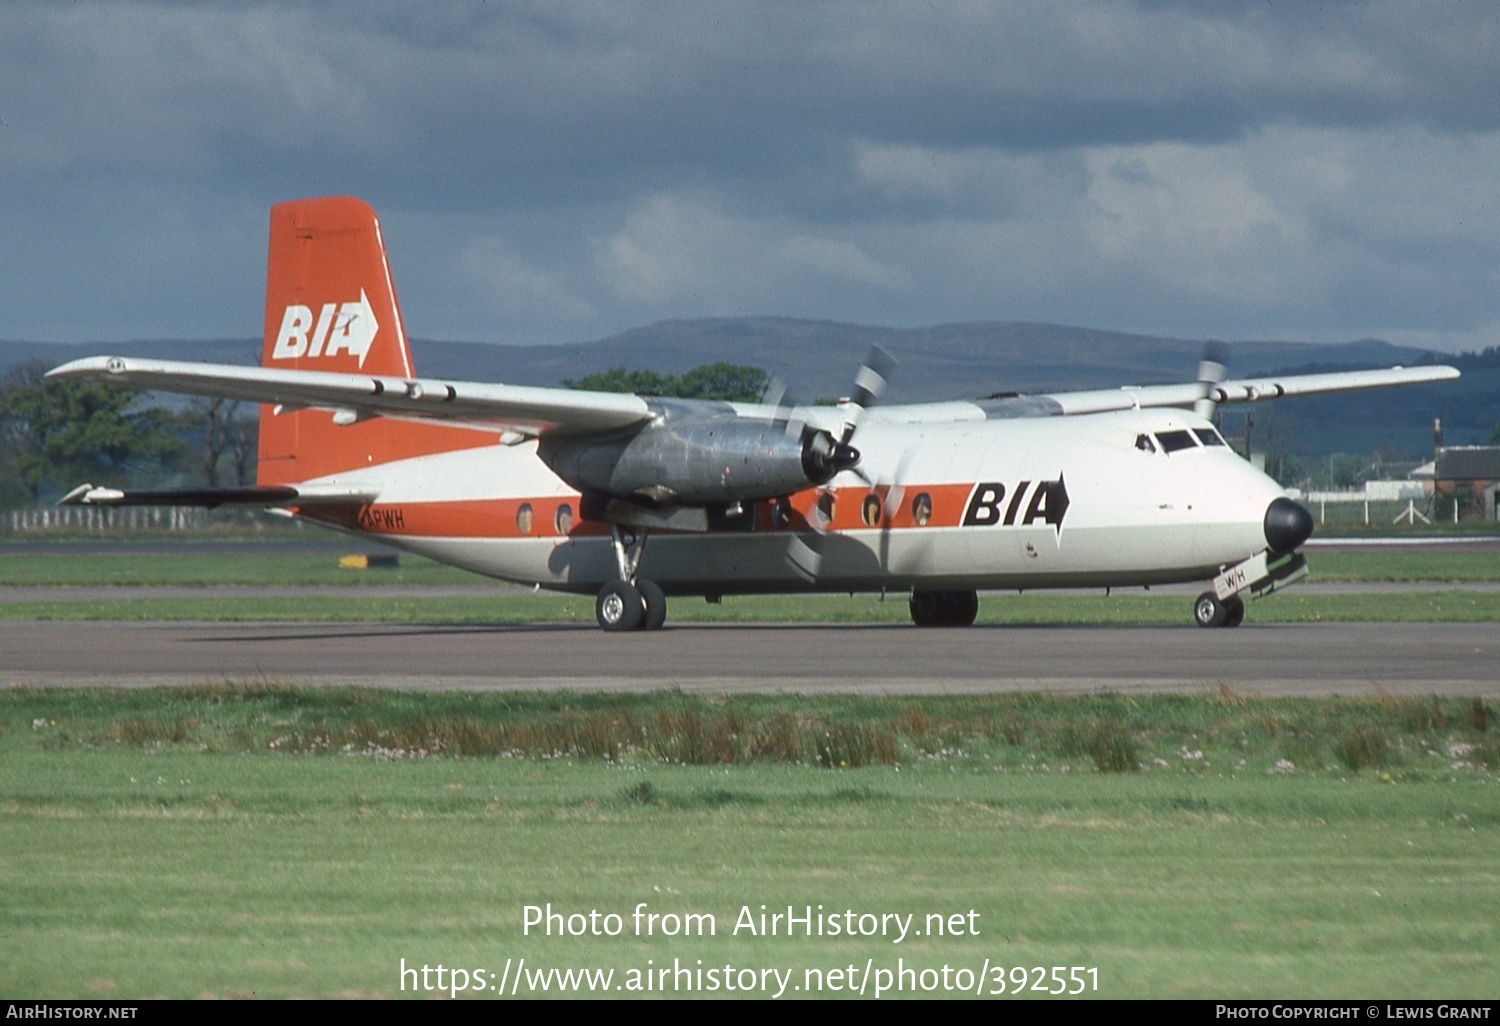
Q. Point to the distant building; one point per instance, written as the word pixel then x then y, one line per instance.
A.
pixel 1469 473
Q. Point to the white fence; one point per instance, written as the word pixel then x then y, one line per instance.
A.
pixel 101 519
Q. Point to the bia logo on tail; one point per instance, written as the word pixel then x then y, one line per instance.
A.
pixel 339 328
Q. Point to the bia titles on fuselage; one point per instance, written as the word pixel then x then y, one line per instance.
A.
pixel 564 489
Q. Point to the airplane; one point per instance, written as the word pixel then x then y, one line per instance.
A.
pixel 562 489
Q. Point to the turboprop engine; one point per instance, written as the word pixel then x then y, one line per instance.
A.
pixel 693 460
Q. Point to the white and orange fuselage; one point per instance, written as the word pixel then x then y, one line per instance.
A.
pixel 560 489
pixel 1133 516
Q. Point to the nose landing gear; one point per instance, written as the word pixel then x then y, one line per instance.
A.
pixel 1209 611
pixel 1257 576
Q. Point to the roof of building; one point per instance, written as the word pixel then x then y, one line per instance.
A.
pixel 1468 463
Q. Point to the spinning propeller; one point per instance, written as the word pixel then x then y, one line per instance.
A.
pixel 1212 369
pixel 870 381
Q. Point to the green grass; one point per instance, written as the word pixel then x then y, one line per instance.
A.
pixel 270 564
pixel 154 843
pixel 1405 565
pixel 1030 608
pixel 259 564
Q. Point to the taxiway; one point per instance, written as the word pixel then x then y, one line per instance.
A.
pixel 1412 659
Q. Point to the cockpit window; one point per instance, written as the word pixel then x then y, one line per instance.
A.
pixel 1208 436
pixel 1171 441
pixel 1144 443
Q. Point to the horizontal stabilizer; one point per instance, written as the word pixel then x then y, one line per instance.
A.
pixel 212 498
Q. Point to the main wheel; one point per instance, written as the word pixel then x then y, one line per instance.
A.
pixel 926 608
pixel 1208 611
pixel 963 607
pixel 619 607
pixel 655 604
pixel 944 608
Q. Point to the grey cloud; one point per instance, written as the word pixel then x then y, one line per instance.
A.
pixel 564 169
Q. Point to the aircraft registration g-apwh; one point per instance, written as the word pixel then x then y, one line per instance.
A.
pixel 563 489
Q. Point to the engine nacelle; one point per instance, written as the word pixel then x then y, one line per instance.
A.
pixel 698 460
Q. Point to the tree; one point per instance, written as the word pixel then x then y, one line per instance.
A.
pixel 246 448
pixel 728 381
pixel 220 430
pixel 618 379
pixel 724 381
pixel 60 433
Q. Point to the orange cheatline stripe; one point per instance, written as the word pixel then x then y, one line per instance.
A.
pixel 501 518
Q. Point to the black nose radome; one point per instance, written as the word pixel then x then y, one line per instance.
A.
pixel 1287 525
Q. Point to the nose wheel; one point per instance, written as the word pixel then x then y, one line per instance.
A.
pixel 1211 611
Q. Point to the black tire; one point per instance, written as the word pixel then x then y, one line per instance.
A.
pixel 1234 612
pixel 1208 611
pixel 963 607
pixel 655 605
pixel 619 607
pixel 926 608
pixel 944 608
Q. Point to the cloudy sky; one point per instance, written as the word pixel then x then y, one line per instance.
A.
pixel 556 171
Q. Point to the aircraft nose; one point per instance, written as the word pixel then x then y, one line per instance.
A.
pixel 1287 525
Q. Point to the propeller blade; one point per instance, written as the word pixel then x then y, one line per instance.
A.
pixel 1212 369
pixel 830 456
pixel 893 497
pixel 869 385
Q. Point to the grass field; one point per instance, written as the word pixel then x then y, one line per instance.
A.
pixel 238 841
pixel 1031 608
pixel 271 563
pixel 270 842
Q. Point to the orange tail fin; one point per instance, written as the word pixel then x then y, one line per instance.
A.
pixel 331 306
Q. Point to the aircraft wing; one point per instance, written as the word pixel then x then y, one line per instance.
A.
pixel 531 411
pixel 566 412
pixel 1247 390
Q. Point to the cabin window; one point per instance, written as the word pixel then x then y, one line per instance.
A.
pixel 921 509
pixel 869 510
pixel 524 518
pixel 1208 436
pixel 1172 441
pixel 564 519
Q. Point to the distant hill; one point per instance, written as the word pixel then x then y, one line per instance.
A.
pixel 941 362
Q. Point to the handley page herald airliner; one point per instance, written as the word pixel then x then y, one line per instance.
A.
pixel 563 489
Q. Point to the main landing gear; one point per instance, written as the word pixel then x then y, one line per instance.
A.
pixel 944 608
pixel 632 603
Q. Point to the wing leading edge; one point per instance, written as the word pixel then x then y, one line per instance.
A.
pixel 1248 390
pixel 532 412
pixel 352 397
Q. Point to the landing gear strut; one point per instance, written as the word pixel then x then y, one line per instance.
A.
pixel 632 602
pixel 944 608
pixel 1257 576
